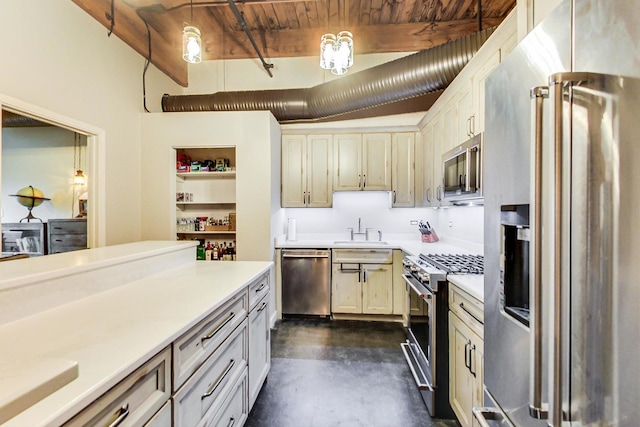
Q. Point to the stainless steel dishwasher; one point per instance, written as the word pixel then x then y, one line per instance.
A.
pixel 306 282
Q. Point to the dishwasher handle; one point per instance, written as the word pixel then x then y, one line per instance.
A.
pixel 306 254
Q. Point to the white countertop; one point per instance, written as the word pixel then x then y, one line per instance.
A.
pixel 111 333
pixel 411 244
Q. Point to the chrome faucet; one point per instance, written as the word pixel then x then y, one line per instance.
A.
pixel 366 232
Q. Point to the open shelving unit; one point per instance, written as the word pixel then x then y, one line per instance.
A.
pixel 210 194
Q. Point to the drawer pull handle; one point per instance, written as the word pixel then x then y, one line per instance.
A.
pixel 262 307
pixel 124 413
pixel 232 421
pixel 216 330
pixel 213 388
pixel 261 287
pixel 466 310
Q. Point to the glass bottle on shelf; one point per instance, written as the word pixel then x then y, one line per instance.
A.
pixel 200 250
pixel 216 252
pixel 208 252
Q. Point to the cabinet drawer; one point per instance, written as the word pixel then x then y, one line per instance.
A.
pixel 68 240
pixel 193 348
pixel 361 256
pixel 68 227
pixel 135 399
pixel 212 381
pixel 257 290
pixel 467 308
pixel 234 410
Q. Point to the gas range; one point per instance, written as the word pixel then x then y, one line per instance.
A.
pixel 429 269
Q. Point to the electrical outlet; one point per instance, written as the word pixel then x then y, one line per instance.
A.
pixel 450 224
pixel 413 222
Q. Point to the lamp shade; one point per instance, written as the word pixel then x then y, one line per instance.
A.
pixel 191 45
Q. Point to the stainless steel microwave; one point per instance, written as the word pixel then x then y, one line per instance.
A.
pixel 462 173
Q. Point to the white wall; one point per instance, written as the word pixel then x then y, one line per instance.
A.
pixel 42 157
pixel 58 58
pixel 248 74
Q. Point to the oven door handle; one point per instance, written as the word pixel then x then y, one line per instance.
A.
pixel 421 294
pixel 421 385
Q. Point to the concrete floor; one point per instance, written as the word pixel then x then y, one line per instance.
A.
pixel 339 373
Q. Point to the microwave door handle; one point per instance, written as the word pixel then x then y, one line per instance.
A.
pixel 467 171
pixel 537 408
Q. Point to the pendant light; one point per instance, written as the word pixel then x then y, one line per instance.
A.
pixel 79 178
pixel 191 42
pixel 336 52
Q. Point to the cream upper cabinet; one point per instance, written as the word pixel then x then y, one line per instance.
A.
pixel 362 162
pixel 436 160
pixel 476 123
pixel 466 109
pixel 347 162
pixel 403 169
pixel 306 171
pixel 376 161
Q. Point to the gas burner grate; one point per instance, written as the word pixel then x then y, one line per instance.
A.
pixel 456 264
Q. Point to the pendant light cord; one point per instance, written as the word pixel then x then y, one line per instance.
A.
pixel 111 16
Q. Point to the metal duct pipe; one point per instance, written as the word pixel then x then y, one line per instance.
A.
pixel 414 75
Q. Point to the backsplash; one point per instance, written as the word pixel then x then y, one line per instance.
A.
pixel 374 208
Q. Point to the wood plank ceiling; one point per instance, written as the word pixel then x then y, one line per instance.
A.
pixel 289 28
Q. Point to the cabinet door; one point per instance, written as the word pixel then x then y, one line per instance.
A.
pixel 428 163
pixel 438 150
pixel 259 348
pixel 377 289
pixel 403 171
pixel 376 161
pixel 461 381
pixel 466 112
pixel 450 125
pixel 346 290
pixel 478 82
pixel 294 177
pixel 319 174
pixel 347 162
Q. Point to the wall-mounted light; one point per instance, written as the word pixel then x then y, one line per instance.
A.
pixel 191 42
pixel 336 52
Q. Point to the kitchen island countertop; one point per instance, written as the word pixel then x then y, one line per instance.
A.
pixel 111 333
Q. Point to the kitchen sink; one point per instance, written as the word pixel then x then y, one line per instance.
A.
pixel 359 242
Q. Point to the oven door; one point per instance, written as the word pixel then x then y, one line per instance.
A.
pixel 420 345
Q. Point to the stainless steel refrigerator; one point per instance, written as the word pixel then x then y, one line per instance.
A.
pixel 562 200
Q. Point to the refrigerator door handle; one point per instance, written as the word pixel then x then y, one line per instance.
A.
pixel 561 84
pixel 537 408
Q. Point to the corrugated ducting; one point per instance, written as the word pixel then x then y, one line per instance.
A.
pixel 414 75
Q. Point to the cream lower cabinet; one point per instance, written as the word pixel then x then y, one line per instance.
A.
pixel 362 281
pixel 403 169
pixel 259 337
pixel 209 376
pixel 466 355
pixel 364 290
pixel 362 162
pixel 307 178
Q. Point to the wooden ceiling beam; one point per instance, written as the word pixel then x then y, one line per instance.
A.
pixel 131 29
pixel 367 39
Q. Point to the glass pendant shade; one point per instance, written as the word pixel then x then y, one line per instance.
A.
pixel 79 178
pixel 327 46
pixel 336 52
pixel 191 45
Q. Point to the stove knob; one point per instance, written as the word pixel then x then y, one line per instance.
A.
pixel 414 268
pixel 424 277
pixel 406 262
